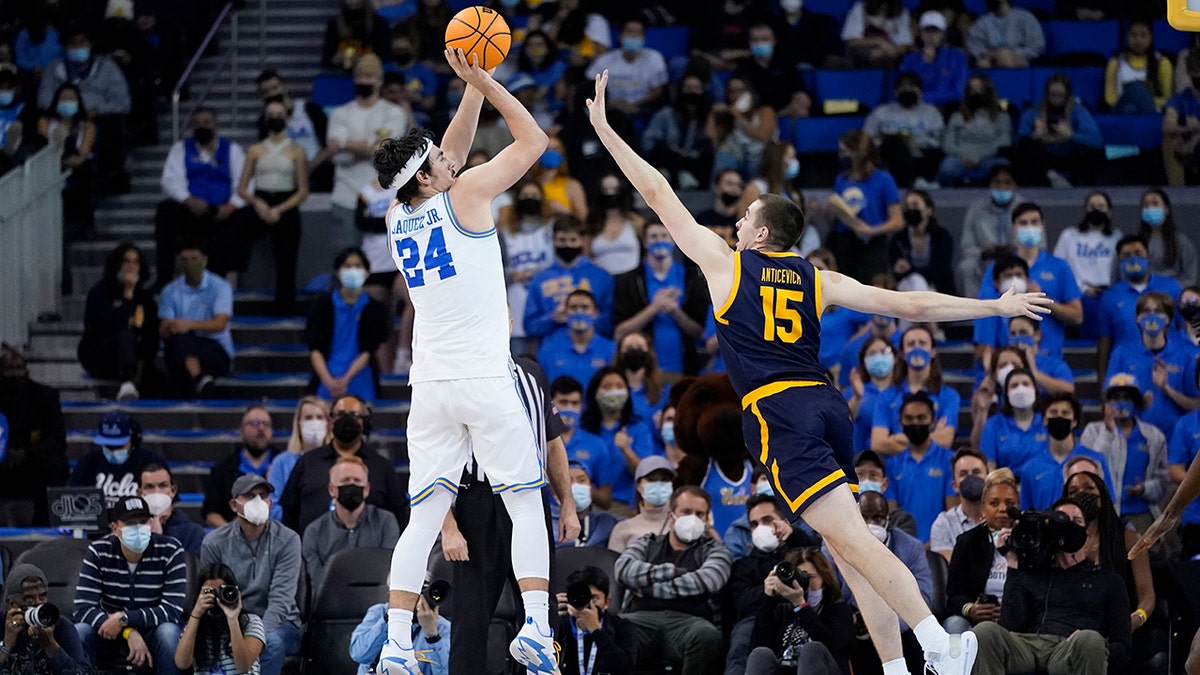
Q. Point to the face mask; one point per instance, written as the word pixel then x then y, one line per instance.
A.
pixel 689 528
pixel 568 254
pixel 1002 373
pixel 1123 409
pixel 977 100
pixel 764 488
pixel 350 496
pixel 917 433
pixel 1022 397
pixel 913 217
pixel 1017 284
pixel 845 162
pixel 312 432
pixel 352 278
pixel 529 206
pixel 79 54
pixel 792 169
pixel 869 486
pixel 1059 427
pixel 762 50
pixel 878 531
pixel 613 400
pixel 403 57
pixel 1153 324
pixel 661 249
pixel 907 98
pixel 203 135
pixel 1153 215
pixel 1029 236
pixel 692 101
pixel 1134 268
pixel 158 502
pixel 728 199
pixel 570 418
pixel 634 359
pixel 67 108
pixel 551 160
pixel 581 322
pixel 632 44
pixel 880 365
pixel 1002 197
pixel 364 90
pixel 791 6
pixel 668 433
pixel 116 457
pixel 346 429
pixel 764 538
pixel 918 358
pixel 971 488
pixel 1096 218
pixel 276 124
pixel 1190 312
pixel 1022 341
pixel 6 98
pixel 582 495
pixel 813 598
pixel 136 538
pixel 256 511
pixel 657 493
pixel 1089 504
pixel 744 103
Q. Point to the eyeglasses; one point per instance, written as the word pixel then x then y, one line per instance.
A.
pixel 257 424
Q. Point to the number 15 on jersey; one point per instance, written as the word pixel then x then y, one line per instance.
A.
pixel 436 257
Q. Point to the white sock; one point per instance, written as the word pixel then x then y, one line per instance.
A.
pixel 895 667
pixel 400 627
pixel 537 607
pixel 932 636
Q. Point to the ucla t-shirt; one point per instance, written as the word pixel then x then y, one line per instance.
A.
pixel 870 198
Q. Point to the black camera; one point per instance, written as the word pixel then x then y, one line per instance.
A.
pixel 42 616
pixel 436 592
pixel 579 595
pixel 226 594
pixel 791 575
pixel 1038 535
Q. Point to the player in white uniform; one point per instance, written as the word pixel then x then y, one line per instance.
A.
pixel 464 398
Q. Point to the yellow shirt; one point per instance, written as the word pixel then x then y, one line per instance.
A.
pixel 1166 77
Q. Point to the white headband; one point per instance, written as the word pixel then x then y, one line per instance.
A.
pixel 412 166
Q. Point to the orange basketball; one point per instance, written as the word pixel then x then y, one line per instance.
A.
pixel 482 32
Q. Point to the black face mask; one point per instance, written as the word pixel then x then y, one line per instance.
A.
pixel 350 496
pixel 692 101
pixel 845 162
pixel 346 429
pixel 971 488
pixel 728 199
pixel 568 254
pixel 634 359
pixel 907 98
pixel 203 135
pixel 1196 83
pixel 364 90
pixel 529 206
pixel 977 100
pixel 1089 504
pixel 916 433
pixel 1189 312
pixel 276 124
pixel 610 201
pixel 1059 427
pixel 1096 218
pixel 1056 110
pixel 403 57
pixel 913 217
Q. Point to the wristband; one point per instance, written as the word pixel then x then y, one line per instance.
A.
pixel 4 649
pixel 1142 613
pixel 125 633
pixel 433 639
pixel 966 610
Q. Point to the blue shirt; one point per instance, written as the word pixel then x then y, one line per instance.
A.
pixel 921 486
pixel 871 197
pixel 1118 308
pixel 1185 441
pixel 278 474
pixel 614 472
pixel 549 288
pixel 942 81
pixel 1054 367
pixel 849 355
pixel 558 357
pixel 866 415
pixel 668 341
pixel 838 325
pixel 1042 476
pixel 1180 359
pixel 1185 104
pixel 1086 131
pixel 29 55
pixel 887 408
pixel 643 408
pixel 595 528
pixel 717 365
pixel 345 348
pixel 418 72
pixel 1056 280
pixel 1008 445
pixel 728 497
pixel 213 296
pixel 590 451
pixel 1137 460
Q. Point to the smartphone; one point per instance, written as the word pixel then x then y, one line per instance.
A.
pixel 987 599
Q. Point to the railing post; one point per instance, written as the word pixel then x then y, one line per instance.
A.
pixel 233 67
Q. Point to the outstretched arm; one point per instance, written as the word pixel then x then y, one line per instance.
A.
pixel 697 242
pixel 920 306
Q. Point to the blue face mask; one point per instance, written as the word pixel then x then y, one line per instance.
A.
pixel 79 54
pixel 6 98
pixel 582 495
pixel 551 160
pixel 67 108
pixel 1022 341
pixel 570 418
pixel 353 277
pixel 1029 236
pixel 792 169
pixel 1134 268
pixel 869 486
pixel 668 433
pixel 918 358
pixel 116 456
pixel 1123 409
pixel 880 365
pixel 657 493
pixel 661 249
pixel 1153 324
pixel 762 50
pixel 581 322
pixel 764 488
pixel 1154 215
pixel 1002 197
pixel 633 44
pixel 136 537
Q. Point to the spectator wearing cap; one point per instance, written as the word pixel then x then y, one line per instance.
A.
pixel 353 523
pixel 131 589
pixel 942 68
pixel 652 480
pixel 968 469
pixel 193 322
pixel 115 461
pixel 28 649
pixel 156 485
pixel 252 456
pixel 265 557
pixel 921 481
pixel 595 526
pixel 35 444
pixel 533 97
pixel 1135 450
pixel 872 475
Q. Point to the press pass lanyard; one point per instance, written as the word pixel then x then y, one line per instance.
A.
pixel 591 661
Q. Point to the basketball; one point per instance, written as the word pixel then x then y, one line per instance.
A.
pixel 482 32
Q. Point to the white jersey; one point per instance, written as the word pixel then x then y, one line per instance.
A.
pixel 456 281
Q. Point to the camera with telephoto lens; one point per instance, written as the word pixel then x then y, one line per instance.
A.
pixel 436 592
pixel 791 575
pixel 1038 535
pixel 579 595
pixel 42 616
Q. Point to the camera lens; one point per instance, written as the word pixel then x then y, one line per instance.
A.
pixel 42 616
pixel 579 595
pixel 437 592
pixel 785 571
pixel 227 594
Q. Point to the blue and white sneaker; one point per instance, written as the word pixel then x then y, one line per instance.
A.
pixel 535 650
pixel 959 659
pixel 396 660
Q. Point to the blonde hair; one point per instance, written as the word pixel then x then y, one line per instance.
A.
pixel 1001 477
pixel 295 443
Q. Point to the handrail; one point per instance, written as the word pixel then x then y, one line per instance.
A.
pixel 191 66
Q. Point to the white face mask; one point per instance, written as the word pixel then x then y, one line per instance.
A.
pixel 880 532
pixel 158 502
pixel 689 528
pixel 256 511
pixel 1022 396
pixel 1018 285
pixel 791 5
pixel 313 432
pixel 764 538
pixel 813 598
pixel 744 103
pixel 1002 373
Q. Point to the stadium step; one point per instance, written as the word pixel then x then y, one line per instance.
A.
pixel 212 446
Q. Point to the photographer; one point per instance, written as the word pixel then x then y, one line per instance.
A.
pixel 593 641
pixel 1061 613
pixel 431 638
pixel 220 636
pixel 30 649
pixel 808 628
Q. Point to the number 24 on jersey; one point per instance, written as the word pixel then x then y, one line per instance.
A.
pixel 437 257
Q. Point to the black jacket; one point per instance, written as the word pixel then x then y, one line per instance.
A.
pixel 630 297
pixel 189 534
pixel 94 470
pixel 108 314
pixel 36 457
pixel 306 495
pixel 617 644
pixel 745 586
pixel 940 270
pixel 372 331
pixel 218 488
pixel 833 627
pixel 970 564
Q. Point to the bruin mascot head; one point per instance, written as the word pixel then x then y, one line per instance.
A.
pixel 708 426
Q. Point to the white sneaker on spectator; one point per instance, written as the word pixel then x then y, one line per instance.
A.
pixel 921 184
pixel 1057 180
pixel 537 652
pixel 958 660
pixel 128 392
